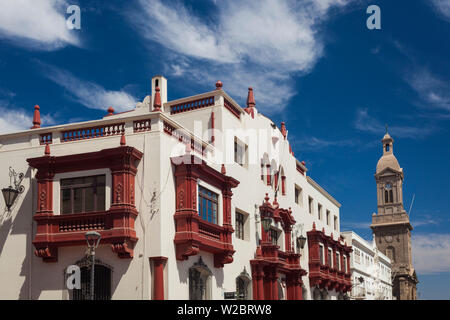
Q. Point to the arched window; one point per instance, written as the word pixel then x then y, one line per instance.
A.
pixel 102 281
pixel 390 253
pixel 243 286
pixel 200 281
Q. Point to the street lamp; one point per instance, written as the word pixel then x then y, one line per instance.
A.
pixel 10 194
pixel 301 242
pixel 93 240
pixel 266 223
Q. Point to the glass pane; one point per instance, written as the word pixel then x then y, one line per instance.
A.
pixel 89 197
pixel 77 200
pixel 101 198
pixel 65 201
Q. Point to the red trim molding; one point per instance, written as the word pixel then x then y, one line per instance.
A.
pixel 192 232
pixel 115 225
pixel 270 260
pixel 323 275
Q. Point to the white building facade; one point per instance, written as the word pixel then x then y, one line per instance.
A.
pixel 194 198
pixel 371 270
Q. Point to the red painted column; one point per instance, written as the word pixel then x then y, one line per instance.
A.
pixel 276 180
pixel 283 185
pixel 274 282
pixel 269 180
pixel 158 277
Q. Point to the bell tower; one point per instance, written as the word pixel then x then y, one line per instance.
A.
pixel 391 226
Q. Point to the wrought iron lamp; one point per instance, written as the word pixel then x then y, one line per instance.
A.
pixel 301 241
pixel 93 240
pixel 10 194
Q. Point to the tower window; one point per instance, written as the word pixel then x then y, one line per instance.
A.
pixel 387 148
pixel 388 196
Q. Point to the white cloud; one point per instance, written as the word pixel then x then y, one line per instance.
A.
pixel 367 123
pixel 90 94
pixel 431 89
pixel 38 24
pixel 442 7
pixel 431 253
pixel 254 43
pixel 13 119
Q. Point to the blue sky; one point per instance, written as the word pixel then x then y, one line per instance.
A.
pixel 312 63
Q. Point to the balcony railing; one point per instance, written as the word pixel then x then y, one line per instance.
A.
pixel 93 132
pixel 192 105
pixel 209 230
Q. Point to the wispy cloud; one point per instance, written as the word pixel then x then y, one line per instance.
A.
pixel 367 123
pixel 314 143
pixel 14 119
pixel 435 92
pixel 89 94
pixel 242 43
pixel 442 7
pixel 431 253
pixel 36 24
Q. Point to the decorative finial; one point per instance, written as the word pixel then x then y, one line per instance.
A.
pixel 110 111
pixel 36 118
pixel 314 226
pixel 157 101
pixel 219 85
pixel 223 170
pixel 47 149
pixel 122 140
pixel 283 130
pixel 250 98
pixel 267 198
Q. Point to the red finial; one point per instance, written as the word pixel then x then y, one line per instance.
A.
pixel 219 85
pixel 323 230
pixel 283 130
pixel 275 204
pixel 157 101
pixel 47 149
pixel 331 235
pixel 304 163
pixel 110 111
pixel 290 210
pixel 267 198
pixel 122 140
pixel 314 226
pixel 36 118
pixel 250 98
pixel 223 170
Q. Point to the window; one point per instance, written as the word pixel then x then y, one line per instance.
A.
pixel 240 220
pixel 310 202
pixel 298 195
pixel 338 260
pixel 85 194
pixel 242 286
pixel 319 211
pixel 239 152
pixel 388 196
pixel 328 217
pixel 329 257
pixel 335 223
pixel 274 234
pixel 357 256
pixel 199 281
pixel 208 203
pixel 102 282
pixel 321 249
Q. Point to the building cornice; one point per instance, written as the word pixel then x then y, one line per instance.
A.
pixel 322 191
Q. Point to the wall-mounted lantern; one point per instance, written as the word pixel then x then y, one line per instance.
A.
pixel 301 241
pixel 10 194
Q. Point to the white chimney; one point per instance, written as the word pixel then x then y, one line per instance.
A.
pixel 161 82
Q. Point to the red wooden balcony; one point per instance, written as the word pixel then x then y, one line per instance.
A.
pixel 115 226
